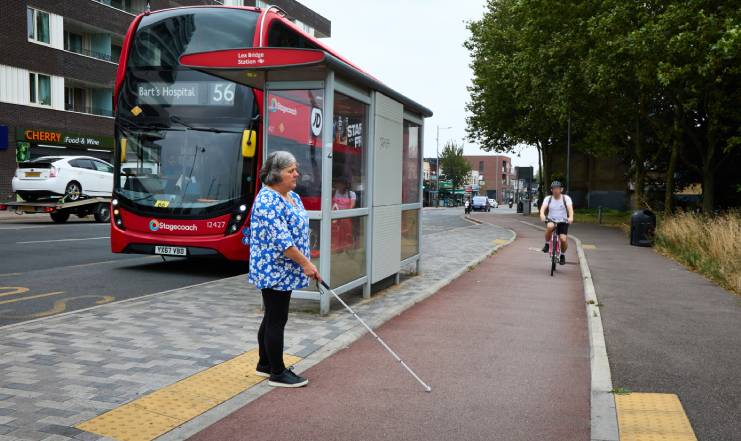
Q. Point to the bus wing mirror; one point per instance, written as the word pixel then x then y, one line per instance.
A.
pixel 249 143
pixel 124 143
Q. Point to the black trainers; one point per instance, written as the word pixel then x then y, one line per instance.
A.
pixel 287 379
pixel 546 247
pixel 562 260
pixel 262 371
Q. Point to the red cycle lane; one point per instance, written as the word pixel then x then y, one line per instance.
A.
pixel 504 347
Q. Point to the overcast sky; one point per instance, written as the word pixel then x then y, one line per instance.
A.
pixel 416 48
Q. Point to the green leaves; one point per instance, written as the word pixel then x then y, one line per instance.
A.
pixel 453 165
pixel 633 76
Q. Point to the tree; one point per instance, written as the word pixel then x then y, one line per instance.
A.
pixel 527 75
pixel 655 82
pixel 453 165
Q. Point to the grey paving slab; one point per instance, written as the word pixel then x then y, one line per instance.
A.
pixel 83 364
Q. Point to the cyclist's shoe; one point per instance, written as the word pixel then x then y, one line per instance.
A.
pixel 562 260
pixel 545 247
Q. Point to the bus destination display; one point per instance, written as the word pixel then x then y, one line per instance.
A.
pixel 187 93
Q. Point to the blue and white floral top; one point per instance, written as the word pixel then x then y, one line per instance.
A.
pixel 275 226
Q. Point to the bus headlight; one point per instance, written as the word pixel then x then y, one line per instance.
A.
pixel 237 220
pixel 117 219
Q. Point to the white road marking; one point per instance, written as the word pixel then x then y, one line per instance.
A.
pixel 10 227
pixel 63 240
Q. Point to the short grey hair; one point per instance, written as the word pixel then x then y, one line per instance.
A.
pixel 274 164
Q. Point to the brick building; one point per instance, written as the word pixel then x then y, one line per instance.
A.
pixel 494 174
pixel 58 63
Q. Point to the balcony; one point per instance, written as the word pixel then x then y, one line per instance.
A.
pixel 85 98
pixel 92 42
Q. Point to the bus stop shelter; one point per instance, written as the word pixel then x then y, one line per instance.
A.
pixel 359 145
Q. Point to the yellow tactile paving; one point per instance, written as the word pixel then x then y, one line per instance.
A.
pixel 652 417
pixel 154 414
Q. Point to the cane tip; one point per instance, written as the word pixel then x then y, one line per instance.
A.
pixel 429 389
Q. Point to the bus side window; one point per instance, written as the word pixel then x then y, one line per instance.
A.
pixel 280 35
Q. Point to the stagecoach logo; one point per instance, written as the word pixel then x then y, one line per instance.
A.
pixel 275 106
pixel 156 225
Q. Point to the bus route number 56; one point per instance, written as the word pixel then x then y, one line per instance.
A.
pixel 222 94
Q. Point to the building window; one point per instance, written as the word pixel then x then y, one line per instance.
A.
pixel 504 166
pixel 40 89
pixel 481 166
pixel 72 42
pixel 38 25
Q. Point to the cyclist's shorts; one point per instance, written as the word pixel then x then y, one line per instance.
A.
pixel 561 228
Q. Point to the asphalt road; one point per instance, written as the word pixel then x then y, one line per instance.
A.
pixel 47 269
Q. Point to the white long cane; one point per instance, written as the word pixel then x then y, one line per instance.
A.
pixel 327 288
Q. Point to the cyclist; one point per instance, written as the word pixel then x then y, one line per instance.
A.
pixel 560 212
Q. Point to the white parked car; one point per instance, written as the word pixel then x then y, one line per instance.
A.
pixel 493 203
pixel 70 176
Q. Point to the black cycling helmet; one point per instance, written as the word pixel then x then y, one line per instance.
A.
pixel 556 184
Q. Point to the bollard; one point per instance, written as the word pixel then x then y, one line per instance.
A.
pixel 599 214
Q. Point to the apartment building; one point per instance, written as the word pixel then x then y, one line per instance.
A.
pixel 58 63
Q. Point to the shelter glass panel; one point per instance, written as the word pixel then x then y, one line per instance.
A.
pixel 409 233
pixel 348 250
pixel 295 125
pixel 411 163
pixel 348 154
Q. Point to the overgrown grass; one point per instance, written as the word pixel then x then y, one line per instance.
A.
pixel 609 216
pixel 707 244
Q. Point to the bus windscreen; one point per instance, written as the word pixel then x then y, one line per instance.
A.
pixel 179 131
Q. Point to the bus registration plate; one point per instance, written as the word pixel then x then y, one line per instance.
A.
pixel 170 251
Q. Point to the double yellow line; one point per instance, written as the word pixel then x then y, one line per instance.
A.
pixel 6 291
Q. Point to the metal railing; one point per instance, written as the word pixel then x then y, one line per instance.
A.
pixel 120 6
pixel 94 54
pixel 88 109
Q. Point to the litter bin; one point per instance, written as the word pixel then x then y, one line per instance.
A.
pixel 520 207
pixel 642 228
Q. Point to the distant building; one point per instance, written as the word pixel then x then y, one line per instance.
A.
pixel 494 176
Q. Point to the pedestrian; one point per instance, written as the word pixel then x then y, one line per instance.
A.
pixel 279 260
pixel 467 206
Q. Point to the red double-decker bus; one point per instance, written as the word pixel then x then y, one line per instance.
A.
pixel 188 144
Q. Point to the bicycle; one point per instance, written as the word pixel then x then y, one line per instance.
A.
pixel 555 245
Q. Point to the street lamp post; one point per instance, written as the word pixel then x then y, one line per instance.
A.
pixel 437 160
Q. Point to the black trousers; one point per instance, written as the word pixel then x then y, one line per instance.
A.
pixel 270 335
